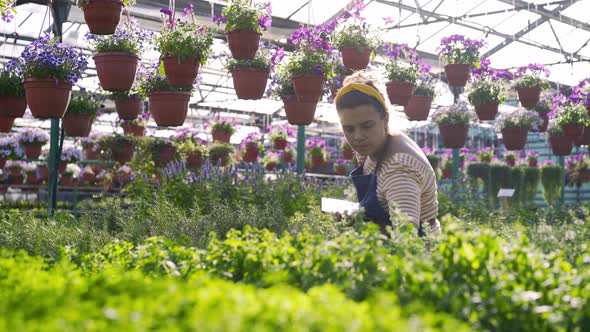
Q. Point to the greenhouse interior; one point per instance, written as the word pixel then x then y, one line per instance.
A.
pixel 403 165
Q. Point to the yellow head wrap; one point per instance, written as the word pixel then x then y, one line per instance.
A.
pixel 361 87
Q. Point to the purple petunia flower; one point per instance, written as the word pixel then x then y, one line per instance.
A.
pixel 166 11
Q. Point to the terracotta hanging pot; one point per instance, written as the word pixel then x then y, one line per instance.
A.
pixel 32 151
pixel 67 180
pixel 418 108
pixel 457 74
pixel 47 98
pixel 12 106
pixel 298 113
pixel 77 124
pixel 133 129
pixel 128 108
pixel 347 154
pixel 116 70
pixel 43 172
pixel 280 144
pixel 356 58
pixel 194 159
pixel 250 83
pixel 561 145
pixel 532 163
pixel 122 152
pixel 583 139
pixel 163 155
pixel 545 123
pixel 250 155
pixel 91 154
pixel 6 123
pixel 487 111
pixel 181 72
pixel 17 180
pixel 61 166
pixel 399 93
pixel 219 136
pixel 309 88
pixel 529 97
pixel 317 161
pixel 15 171
pixel 32 179
pixel 514 138
pixel 169 108
pixel 102 16
pixel 243 44
pixel 573 131
pixel 453 137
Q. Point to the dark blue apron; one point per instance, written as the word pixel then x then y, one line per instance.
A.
pixel 366 192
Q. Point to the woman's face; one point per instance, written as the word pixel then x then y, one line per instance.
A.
pixel 364 127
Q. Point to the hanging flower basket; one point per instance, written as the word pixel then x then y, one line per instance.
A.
pixel 356 58
pixel 169 108
pixel 317 161
pixel 194 159
pixel 418 108
pixel 309 88
pixel 250 155
pixel 280 144
pixel 47 98
pixel 399 93
pixel 487 111
pixel 163 155
pixel 514 138
pixel 299 113
pixel 122 152
pixel 529 97
pixel 61 166
pixel 32 151
pixel 561 145
pixel 32 179
pixel 250 83
pixel 573 131
pixel 222 137
pixel 181 72
pixel 453 137
pixel 43 172
pixel 545 122
pixel 128 108
pixel 77 125
pixel 457 74
pixel 133 129
pixel 583 139
pixel 102 16
pixel 11 106
pixel 243 44
pixel 116 70
pixel 91 154
pixel 6 123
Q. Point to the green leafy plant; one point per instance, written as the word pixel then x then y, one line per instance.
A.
pixel 187 40
pixel 500 177
pixel 532 76
pixel 128 38
pixel 223 125
pixel 519 118
pixel 218 151
pixel 355 35
pixel 487 91
pixel 458 115
pixel 245 15
pixel 553 128
pixel 11 82
pixel 458 49
pixel 530 183
pixel 83 102
pixel 305 61
pixel 401 71
pixel 282 85
pixel 573 114
pixel 551 178
pixel 258 62
pixel 424 88
pixel 156 82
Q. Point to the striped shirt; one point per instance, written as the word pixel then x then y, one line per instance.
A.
pixel 405 182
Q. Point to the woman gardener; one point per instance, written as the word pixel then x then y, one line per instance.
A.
pixel 395 173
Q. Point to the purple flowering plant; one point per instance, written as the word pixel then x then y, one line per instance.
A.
pixel 245 15
pixel 141 120
pixel 316 147
pixel 267 58
pixel 282 132
pixel 457 49
pixel 93 140
pixel 30 168
pixel 510 156
pixel 7 10
pixel 271 157
pixel 10 148
pixel 14 165
pixel 532 156
pixel 280 84
pixel 532 76
pixel 543 106
pixel 425 85
pixel 129 37
pixel 547 162
pixel 458 114
pixel 486 90
pixel 352 30
pixel 485 155
pixel 35 136
pixel 184 39
pixel 224 125
pixel 217 151
pixel 581 93
pixel 403 63
pixel 84 102
pixel 71 155
pixel 48 58
pixel 485 70
pixel 252 142
pixel 520 118
pixel 314 53
pixel 340 164
pixel 188 142
pixel 11 79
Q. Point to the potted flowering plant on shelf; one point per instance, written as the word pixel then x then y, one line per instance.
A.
pixel 13 102
pixel 32 140
pixel 460 54
pixel 183 46
pixel 271 160
pixel 222 130
pixel 447 168
pixel 193 151
pixel 220 154
pixel 485 155
pixel 347 151
pixel 168 104
pixel 486 94
pixel 244 22
pixel 163 151
pixel 123 175
pixel 119 148
pixel 87 175
pixel 69 155
pixel 102 16
pixel 92 146
pixel 573 118
pixel 31 174
pixel 515 126
pixel 9 149
pixel 288 155
pixel 402 70
pixel 69 175
pixel 453 123
pixel 116 56
pixel 510 158
pixel 249 76
pixel 14 167
pixel 561 145
pixel 418 107
pixel 81 112
pixel 530 81
pixel 135 127
pixel 316 147
pixel 279 136
pixel 551 179
pixel 532 158
pixel 340 166
pixel 251 147
pixel 50 68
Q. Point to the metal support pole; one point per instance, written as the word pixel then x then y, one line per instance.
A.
pixel 300 149
pixel 456 93
pixel 54 154
pixel 562 164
